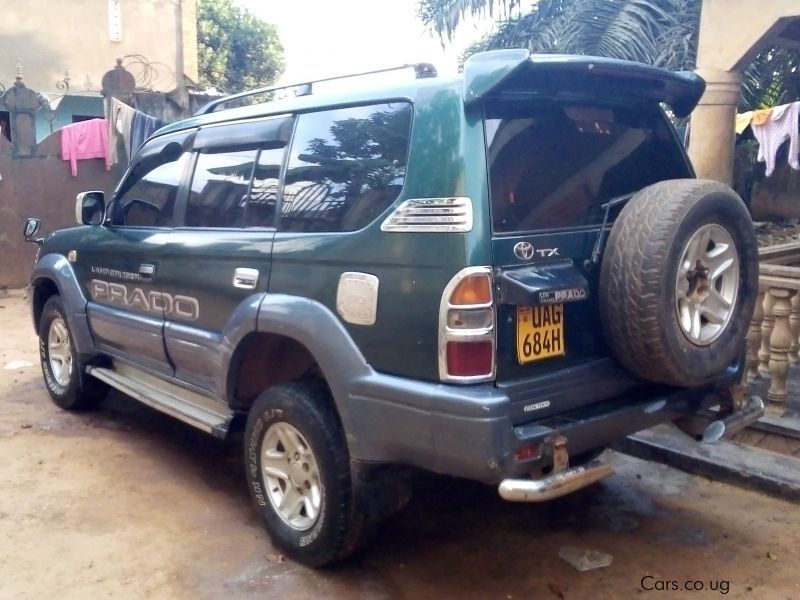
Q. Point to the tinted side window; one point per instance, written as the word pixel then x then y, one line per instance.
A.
pixel 264 190
pixel 218 194
pixel 346 167
pixel 148 196
pixel 553 165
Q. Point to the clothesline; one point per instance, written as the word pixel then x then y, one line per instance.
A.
pixel 99 138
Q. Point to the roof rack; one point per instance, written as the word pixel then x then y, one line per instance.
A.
pixel 421 71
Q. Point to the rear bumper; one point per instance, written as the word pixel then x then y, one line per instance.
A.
pixel 467 431
pixel 601 424
pixel 567 480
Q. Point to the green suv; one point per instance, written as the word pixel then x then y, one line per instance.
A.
pixel 492 277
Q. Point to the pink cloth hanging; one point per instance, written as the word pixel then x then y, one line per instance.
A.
pixel 83 140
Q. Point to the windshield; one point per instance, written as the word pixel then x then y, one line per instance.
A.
pixel 552 165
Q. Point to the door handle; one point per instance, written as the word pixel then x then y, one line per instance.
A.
pixel 245 278
pixel 147 272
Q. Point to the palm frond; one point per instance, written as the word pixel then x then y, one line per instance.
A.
pixel 773 78
pixel 659 32
pixel 443 16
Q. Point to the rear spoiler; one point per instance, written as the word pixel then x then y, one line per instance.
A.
pixel 516 72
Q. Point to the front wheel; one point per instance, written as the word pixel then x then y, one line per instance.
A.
pixel 67 383
pixel 298 472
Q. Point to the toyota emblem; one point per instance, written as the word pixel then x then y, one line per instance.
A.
pixel 523 250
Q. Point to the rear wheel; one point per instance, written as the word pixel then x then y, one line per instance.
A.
pixel 298 472
pixel 64 376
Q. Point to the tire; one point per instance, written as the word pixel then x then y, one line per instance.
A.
pixel 325 527
pixel 676 249
pixel 67 383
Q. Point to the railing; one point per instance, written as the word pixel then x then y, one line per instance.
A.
pixel 773 341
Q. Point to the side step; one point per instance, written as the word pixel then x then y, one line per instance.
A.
pixel 207 414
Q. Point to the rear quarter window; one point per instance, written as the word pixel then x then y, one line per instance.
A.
pixel 553 165
pixel 346 167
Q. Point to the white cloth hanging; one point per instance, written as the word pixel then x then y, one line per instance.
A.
pixel 120 116
pixel 782 125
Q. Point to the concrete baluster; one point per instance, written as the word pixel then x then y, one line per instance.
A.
pixel 794 326
pixel 767 323
pixel 779 344
pixel 754 339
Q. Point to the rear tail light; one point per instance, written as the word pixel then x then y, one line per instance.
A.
pixel 528 452
pixel 472 290
pixel 470 319
pixel 469 359
pixel 466 328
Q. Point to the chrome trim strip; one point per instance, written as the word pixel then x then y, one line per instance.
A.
pixel 425 215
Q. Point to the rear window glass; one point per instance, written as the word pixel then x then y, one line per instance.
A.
pixel 553 165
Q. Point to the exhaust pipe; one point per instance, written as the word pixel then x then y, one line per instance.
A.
pixel 735 422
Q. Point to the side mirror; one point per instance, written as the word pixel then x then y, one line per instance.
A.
pixel 31 229
pixel 90 208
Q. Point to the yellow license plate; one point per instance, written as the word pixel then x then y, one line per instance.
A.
pixel 540 332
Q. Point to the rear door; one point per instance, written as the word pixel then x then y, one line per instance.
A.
pixel 558 171
pixel 220 258
pixel 126 308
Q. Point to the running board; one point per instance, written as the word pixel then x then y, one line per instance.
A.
pixel 205 413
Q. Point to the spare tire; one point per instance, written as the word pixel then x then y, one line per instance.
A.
pixel 679 281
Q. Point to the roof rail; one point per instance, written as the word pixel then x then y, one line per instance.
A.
pixel 421 71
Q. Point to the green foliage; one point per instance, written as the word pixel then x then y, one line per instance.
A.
pixel 772 79
pixel 236 50
pixel 444 16
pixel 657 32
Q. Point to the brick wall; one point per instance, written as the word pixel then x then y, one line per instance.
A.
pixel 40 186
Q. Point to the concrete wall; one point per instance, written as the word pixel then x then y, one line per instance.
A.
pixel 777 196
pixel 40 186
pixel 68 107
pixel 189 41
pixel 50 37
pixel 732 32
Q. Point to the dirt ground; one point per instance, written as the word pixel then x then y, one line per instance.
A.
pixel 126 503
